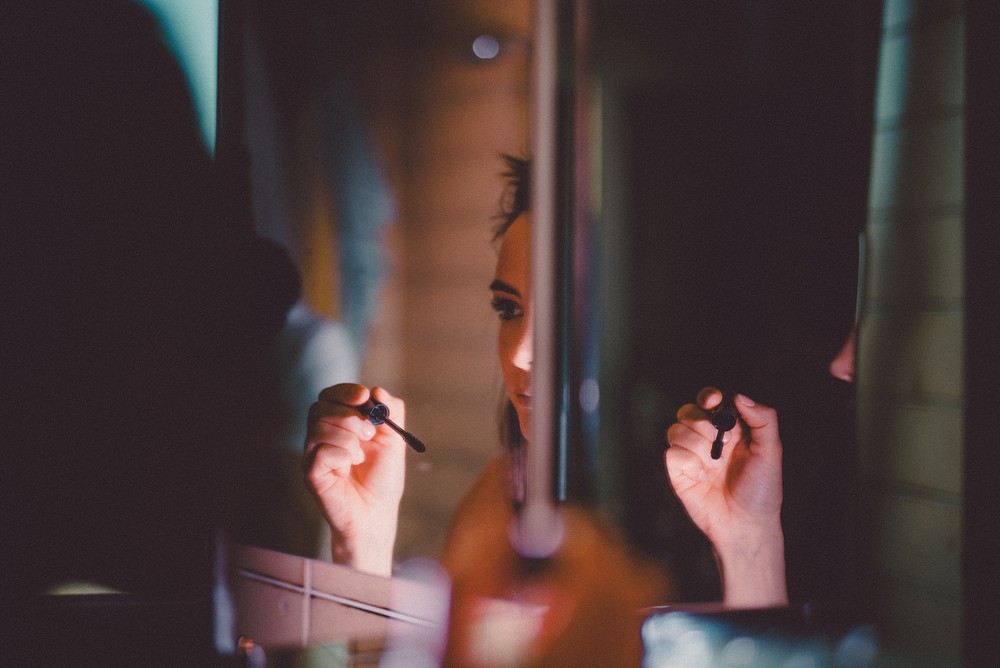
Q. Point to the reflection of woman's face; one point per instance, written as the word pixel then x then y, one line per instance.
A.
pixel 511 289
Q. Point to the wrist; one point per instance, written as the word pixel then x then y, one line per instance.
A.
pixel 752 566
pixel 747 534
pixel 370 549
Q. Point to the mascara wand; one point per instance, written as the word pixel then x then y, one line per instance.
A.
pixel 723 419
pixel 378 413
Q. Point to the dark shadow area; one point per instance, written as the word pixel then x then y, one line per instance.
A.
pixel 980 539
pixel 747 174
pixel 136 311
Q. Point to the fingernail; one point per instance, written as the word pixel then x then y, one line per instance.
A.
pixel 745 400
pixel 369 431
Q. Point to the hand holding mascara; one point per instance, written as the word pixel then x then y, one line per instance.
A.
pixel 378 413
pixel 735 500
pixel 357 472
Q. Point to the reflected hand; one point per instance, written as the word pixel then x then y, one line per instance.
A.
pixel 736 499
pixel 356 471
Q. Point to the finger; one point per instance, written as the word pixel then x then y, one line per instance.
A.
pixel 680 435
pixel 349 394
pixel 683 435
pixel 339 416
pixel 696 419
pixel 762 421
pixel 684 467
pixel 329 459
pixel 690 412
pixel 334 413
pixel 322 433
pixel 709 398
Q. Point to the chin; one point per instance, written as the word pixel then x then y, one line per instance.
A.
pixel 524 422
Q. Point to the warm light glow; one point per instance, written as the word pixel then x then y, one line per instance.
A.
pixel 503 632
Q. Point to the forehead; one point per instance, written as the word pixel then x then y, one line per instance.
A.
pixel 514 258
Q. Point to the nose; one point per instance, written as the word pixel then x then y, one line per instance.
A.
pixel 842 366
pixel 522 352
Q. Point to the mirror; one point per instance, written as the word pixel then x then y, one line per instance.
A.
pixel 728 175
pixel 734 169
pixel 375 132
pixel 724 194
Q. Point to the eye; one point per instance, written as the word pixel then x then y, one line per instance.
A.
pixel 507 309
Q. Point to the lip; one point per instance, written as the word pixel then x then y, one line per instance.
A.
pixel 522 399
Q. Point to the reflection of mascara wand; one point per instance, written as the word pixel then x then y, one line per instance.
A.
pixel 378 413
pixel 723 419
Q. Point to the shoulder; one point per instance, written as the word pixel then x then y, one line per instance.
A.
pixel 485 510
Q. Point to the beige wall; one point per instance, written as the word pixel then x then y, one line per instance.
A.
pixel 442 126
pixel 910 391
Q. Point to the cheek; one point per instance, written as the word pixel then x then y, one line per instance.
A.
pixel 506 344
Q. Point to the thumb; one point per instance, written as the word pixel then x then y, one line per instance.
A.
pixel 762 420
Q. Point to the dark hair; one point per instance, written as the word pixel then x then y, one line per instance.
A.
pixel 516 197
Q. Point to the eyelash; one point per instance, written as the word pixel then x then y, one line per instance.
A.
pixel 507 309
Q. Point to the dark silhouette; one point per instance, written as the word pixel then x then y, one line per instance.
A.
pixel 135 311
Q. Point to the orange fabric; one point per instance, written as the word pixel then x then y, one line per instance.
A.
pixel 586 600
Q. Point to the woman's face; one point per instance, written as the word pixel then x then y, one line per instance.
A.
pixel 511 288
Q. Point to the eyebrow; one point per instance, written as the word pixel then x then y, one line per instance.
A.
pixel 499 286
